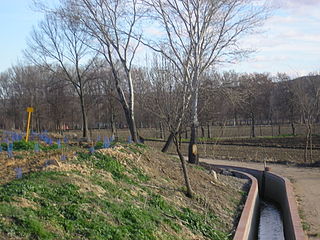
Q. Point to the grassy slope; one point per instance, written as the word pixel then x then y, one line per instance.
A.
pixel 112 195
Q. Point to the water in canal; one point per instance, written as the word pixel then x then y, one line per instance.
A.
pixel 270 226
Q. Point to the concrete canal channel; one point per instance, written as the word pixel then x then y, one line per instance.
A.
pixel 270 207
pixel 270 222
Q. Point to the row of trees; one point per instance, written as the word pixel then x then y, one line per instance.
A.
pixel 84 61
pixel 224 99
pixel 194 36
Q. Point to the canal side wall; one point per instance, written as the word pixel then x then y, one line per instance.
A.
pixel 248 224
pixel 279 190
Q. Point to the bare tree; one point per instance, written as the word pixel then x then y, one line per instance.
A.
pixel 169 100
pixel 114 25
pixel 199 34
pixel 189 192
pixel 233 93
pixel 307 96
pixel 255 89
pixel 57 92
pixel 283 100
pixel 4 99
pixel 61 46
pixel 109 102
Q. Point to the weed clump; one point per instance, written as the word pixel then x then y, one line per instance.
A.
pixel 103 162
pixel 22 145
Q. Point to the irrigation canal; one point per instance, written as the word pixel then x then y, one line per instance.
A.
pixel 270 224
pixel 275 223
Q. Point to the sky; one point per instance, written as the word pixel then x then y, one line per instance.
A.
pixel 288 42
pixel 16 21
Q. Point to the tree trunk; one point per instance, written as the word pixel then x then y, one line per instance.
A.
pixel 306 148
pixel 253 134
pixel 209 133
pixel 293 129
pixel 172 135
pixel 113 125
pixel 132 124
pixel 168 142
pixel 307 141
pixel 310 141
pixel 193 151
pixel 222 129
pixel 38 125
pixel 235 118
pixel 85 130
pixel 189 192
pixel 202 132
pixel 128 111
pixel 161 131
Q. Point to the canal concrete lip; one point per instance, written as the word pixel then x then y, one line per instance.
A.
pixel 247 226
pixel 293 209
pixel 247 223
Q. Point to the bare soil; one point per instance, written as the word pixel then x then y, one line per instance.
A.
pixel 28 161
pixel 297 142
pixel 281 150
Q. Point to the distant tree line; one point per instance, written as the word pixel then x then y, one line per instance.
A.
pixel 84 70
pixel 225 98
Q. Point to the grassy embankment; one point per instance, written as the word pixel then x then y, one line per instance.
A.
pixel 124 192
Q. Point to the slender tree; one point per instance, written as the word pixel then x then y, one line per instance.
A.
pixel 199 34
pixel 307 96
pixel 114 24
pixel 61 46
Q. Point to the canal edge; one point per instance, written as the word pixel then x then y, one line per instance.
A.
pixel 247 226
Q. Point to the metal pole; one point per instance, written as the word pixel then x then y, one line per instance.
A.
pixel 29 110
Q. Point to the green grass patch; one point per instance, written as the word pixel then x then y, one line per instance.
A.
pixel 23 145
pixel 19 146
pixel 198 167
pixel 112 165
pixel 104 162
pixel 205 225
pixel 278 136
pixel 71 214
pixel 29 146
pixel 137 148
pixel 98 145
pixel 72 205
pixel 23 223
pixel 198 223
pixel 140 174
pixel 56 202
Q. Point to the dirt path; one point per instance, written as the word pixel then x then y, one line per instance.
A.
pixel 306 182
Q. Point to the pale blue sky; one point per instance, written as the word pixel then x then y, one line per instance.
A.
pixel 16 20
pixel 290 41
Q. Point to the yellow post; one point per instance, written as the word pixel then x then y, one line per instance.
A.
pixel 29 110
